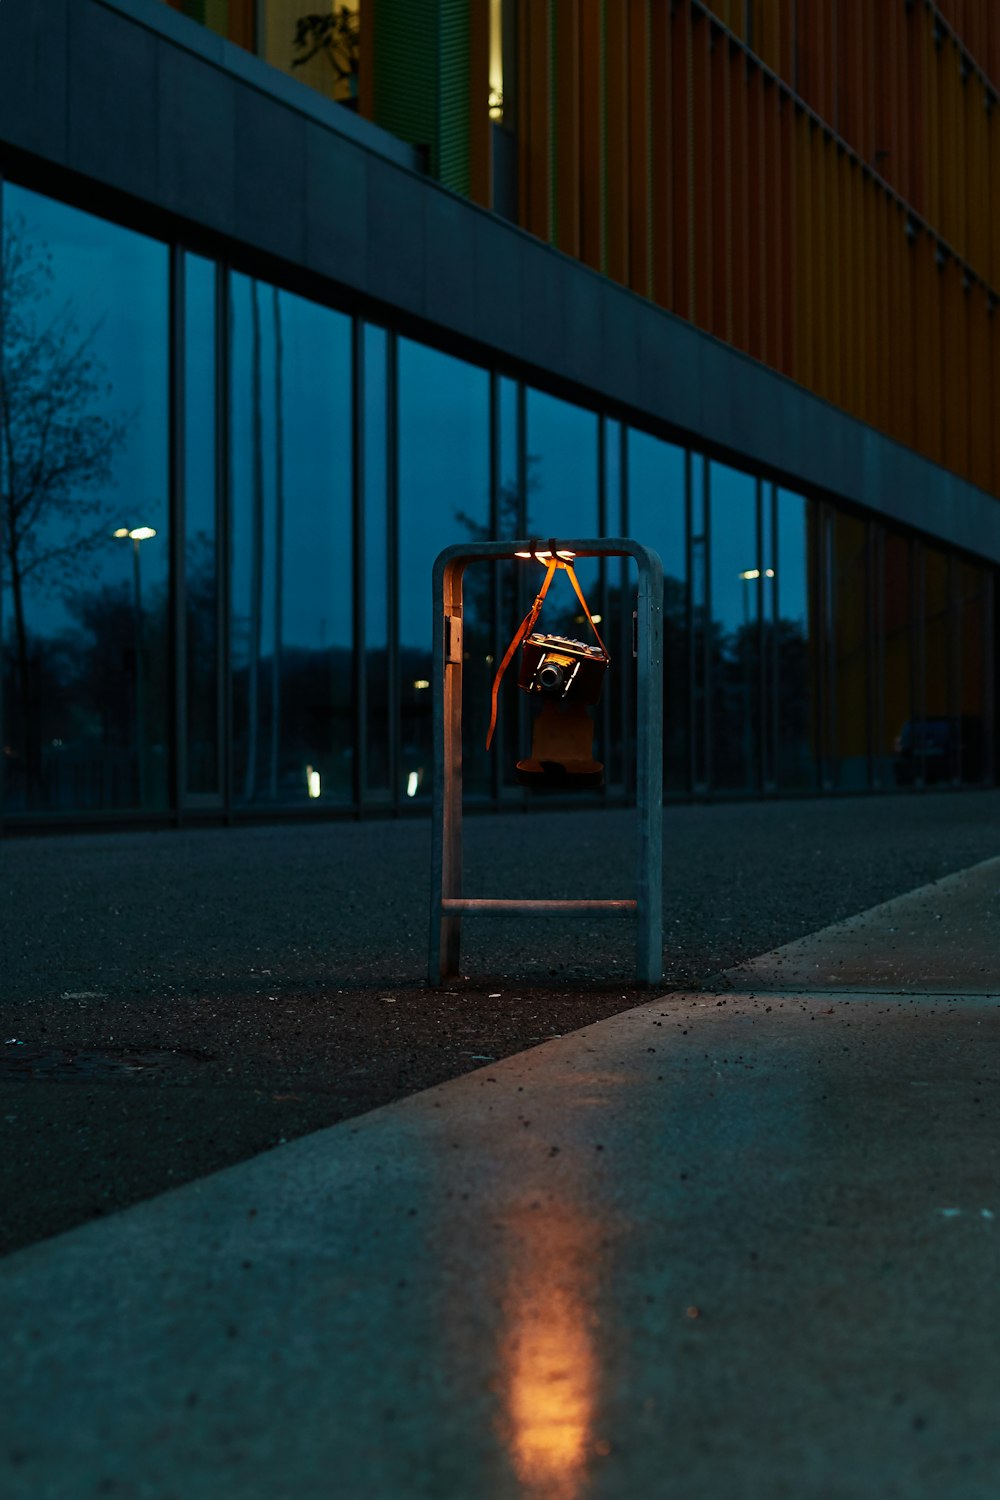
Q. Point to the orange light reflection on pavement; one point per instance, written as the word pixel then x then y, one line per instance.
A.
pixel 548 1361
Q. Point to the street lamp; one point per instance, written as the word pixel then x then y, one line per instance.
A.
pixel 137 534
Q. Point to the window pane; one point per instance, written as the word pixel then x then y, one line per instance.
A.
pixel 444 490
pixel 291 507
pixel 511 577
pixel 561 443
pixel 795 641
pixel 973 584
pixel 376 558
pixel 735 583
pixel 698 584
pixel 656 511
pixel 897 635
pixel 85 612
pixel 938 747
pixel 201 599
pixel 849 543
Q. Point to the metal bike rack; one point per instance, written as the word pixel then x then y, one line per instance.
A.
pixel 447 901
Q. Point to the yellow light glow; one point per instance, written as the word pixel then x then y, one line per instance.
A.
pixel 751 573
pixel 566 556
pixel 142 533
pixel 549 1364
pixel 313 782
pixel 522 554
pixel 420 683
pixel 496 60
pixel 122 531
pixel 597 619
pixel 412 783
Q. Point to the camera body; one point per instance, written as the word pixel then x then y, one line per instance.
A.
pixel 562 669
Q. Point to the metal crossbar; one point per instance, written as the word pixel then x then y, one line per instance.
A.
pixel 448 905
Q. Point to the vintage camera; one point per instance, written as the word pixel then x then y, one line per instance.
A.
pixel 562 669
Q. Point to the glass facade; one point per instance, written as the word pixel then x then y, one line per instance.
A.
pixel 221 503
pixel 85 512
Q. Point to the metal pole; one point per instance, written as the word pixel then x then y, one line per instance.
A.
pixel 140 710
pixel 447 901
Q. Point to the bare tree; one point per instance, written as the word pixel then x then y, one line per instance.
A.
pixel 57 439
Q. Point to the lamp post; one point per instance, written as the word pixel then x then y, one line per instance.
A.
pixel 748 576
pixel 137 534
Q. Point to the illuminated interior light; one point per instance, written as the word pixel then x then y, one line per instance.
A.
pixel 421 682
pixel 142 533
pixel 412 782
pixel 122 531
pixel 516 554
pixel 541 555
pixel 313 782
pixel 496 60
pixel 768 572
pixel 489 658
pixel 597 619
pixel 751 573
pixel 566 556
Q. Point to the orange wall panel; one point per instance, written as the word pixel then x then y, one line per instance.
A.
pixel 616 166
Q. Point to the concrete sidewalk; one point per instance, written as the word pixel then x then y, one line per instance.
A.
pixel 714 1246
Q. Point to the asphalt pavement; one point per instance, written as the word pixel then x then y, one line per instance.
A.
pixel 176 1002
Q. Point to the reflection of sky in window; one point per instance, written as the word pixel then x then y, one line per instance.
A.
pixel 793 544
pixel 115 282
pixel 656 499
pixel 734 546
pixel 444 471
pixel 561 443
pixel 316 465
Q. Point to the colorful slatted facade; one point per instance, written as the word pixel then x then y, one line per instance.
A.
pixel 813 181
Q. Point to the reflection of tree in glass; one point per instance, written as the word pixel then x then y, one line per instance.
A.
pixel 57 441
pixel 336 34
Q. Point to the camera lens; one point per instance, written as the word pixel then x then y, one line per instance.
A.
pixel 550 677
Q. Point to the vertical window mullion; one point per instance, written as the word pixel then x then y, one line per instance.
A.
pixel 178 535
pixel 359 655
pixel 223 531
pixel 392 567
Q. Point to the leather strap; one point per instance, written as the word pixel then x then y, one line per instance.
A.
pixel 579 594
pixel 527 625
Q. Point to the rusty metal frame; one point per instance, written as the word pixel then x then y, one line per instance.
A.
pixel 448 904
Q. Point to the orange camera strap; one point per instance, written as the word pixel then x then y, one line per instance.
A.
pixel 528 624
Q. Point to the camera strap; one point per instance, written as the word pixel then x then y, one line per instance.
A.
pixel 528 624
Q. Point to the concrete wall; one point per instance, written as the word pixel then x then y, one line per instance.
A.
pixel 125 95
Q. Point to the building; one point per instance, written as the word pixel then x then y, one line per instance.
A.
pixel 722 277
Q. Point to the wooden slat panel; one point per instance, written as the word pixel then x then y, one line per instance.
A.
pixel 569 164
pixel 480 166
pixel 788 303
pixel 704 247
pixel 682 159
pixel 755 160
pixel 639 98
pixel 591 134
pixel 616 148
pixel 720 108
pixel 533 117
pixel 804 262
pixel 981 419
pixel 739 167
pixel 663 224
